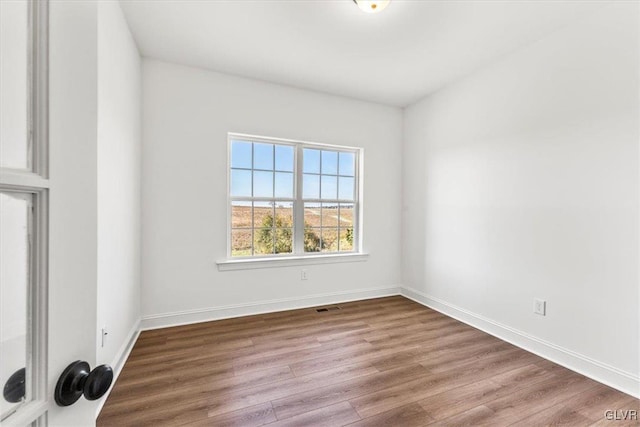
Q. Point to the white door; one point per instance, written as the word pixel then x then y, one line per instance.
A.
pixel 48 63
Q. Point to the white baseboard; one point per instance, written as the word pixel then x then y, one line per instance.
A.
pixel 598 371
pixel 230 311
pixel 118 361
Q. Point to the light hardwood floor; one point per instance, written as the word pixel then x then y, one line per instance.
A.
pixel 379 362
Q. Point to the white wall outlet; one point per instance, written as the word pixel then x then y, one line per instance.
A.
pixel 540 306
pixel 104 335
pixel 303 275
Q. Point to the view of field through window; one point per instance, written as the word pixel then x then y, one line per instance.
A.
pixel 263 203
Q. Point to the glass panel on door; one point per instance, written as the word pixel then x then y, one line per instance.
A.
pixel 15 150
pixel 15 267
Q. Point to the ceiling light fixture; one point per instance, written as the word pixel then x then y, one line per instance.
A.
pixel 372 6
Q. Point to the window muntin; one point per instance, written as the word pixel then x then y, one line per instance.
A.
pixel 254 231
pixel 291 198
pixel 333 223
pixel 261 170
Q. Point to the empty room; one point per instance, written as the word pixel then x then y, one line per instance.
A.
pixel 319 213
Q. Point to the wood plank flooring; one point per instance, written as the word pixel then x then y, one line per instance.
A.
pixel 379 362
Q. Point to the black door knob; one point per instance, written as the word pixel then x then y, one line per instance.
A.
pixel 14 388
pixel 98 382
pixel 78 379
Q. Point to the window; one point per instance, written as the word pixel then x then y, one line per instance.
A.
pixel 291 198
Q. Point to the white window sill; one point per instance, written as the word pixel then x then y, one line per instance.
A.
pixel 288 261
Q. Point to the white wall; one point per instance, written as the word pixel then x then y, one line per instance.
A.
pixel 119 170
pixel 187 113
pixel 521 181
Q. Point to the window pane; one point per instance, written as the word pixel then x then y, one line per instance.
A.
pixel 240 242
pixel 346 188
pixel 329 239
pixel 311 161
pixel 241 214
pixel 14 141
pixel 329 214
pixel 347 164
pixel 329 187
pixel 312 239
pixel 262 214
pixel 346 239
pixel 263 241
pixel 311 186
pixel 284 158
pixel 330 162
pixel 284 214
pixel 284 185
pixel 284 241
pixel 312 214
pixel 14 288
pixel 263 156
pixel 241 154
pixel 240 183
pixel 262 184
pixel 346 214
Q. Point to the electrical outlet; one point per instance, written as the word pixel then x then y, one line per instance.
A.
pixel 303 275
pixel 540 306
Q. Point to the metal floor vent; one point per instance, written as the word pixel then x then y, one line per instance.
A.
pixel 320 310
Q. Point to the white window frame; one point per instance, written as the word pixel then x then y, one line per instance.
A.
pixel 298 256
pixel 35 181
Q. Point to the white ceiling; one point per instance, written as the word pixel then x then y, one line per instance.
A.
pixel 395 57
